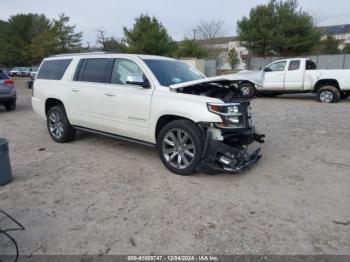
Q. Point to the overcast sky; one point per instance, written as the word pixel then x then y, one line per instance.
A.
pixel 178 16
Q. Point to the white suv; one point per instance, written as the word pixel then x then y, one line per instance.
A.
pixel 197 123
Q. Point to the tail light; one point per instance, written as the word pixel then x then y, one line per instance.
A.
pixel 9 82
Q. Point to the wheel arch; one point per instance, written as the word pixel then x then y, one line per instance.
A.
pixel 166 119
pixel 51 102
pixel 324 82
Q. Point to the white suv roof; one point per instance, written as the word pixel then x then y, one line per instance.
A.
pixel 103 54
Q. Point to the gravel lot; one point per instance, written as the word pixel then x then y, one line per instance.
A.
pixel 101 196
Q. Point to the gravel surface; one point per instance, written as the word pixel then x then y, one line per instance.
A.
pixel 101 196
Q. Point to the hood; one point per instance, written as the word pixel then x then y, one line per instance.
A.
pixel 224 79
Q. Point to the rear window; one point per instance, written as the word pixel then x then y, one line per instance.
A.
pixel 310 65
pixel 3 75
pixel 96 70
pixel 53 69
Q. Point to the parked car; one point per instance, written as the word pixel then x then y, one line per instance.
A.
pixel 33 72
pixel 298 75
pixel 197 123
pixel 14 71
pixel 7 91
pixel 20 71
pixel 25 71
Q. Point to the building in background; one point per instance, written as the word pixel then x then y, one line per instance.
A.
pixel 221 46
pixel 206 66
pixel 339 32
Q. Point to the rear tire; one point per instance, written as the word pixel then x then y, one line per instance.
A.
pixel 10 106
pixel 58 125
pixel 180 146
pixel 247 90
pixel 328 94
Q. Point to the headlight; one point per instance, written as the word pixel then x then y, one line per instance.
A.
pixel 224 109
pixel 231 114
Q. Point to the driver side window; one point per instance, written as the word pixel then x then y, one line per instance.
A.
pixel 276 67
pixel 122 69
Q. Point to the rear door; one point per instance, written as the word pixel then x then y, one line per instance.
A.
pixel 294 79
pixel 274 76
pixel 87 92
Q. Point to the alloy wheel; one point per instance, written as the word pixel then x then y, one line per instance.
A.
pixel 326 96
pixel 55 125
pixel 178 148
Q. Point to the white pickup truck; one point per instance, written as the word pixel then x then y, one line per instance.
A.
pixel 298 75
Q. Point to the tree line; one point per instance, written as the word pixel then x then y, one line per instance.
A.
pixel 25 39
pixel 282 28
pixel 276 28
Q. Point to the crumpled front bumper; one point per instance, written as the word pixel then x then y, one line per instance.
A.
pixel 231 157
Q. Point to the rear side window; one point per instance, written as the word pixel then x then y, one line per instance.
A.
pixel 96 70
pixel 3 75
pixel 53 69
pixel 310 65
pixel 294 65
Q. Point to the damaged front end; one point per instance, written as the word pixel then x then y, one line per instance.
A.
pixel 230 146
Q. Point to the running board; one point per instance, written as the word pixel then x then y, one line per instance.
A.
pixel 122 138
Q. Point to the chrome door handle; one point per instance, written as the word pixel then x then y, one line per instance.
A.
pixel 75 90
pixel 110 94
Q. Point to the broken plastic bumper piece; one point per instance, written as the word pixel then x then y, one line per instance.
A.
pixel 222 158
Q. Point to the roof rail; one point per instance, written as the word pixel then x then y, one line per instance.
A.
pixel 74 54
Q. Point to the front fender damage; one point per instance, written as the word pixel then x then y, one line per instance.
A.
pixel 230 152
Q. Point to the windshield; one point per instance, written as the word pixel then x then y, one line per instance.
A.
pixel 171 72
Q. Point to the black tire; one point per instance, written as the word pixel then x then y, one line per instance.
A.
pixel 328 94
pixel 344 95
pixel 247 90
pixel 195 141
pixel 60 131
pixel 10 106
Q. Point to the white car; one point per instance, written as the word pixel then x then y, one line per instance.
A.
pixel 33 72
pixel 298 75
pixel 20 71
pixel 197 123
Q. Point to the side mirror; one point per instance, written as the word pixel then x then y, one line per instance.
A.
pixel 267 69
pixel 137 80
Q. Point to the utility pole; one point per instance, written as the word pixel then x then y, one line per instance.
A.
pixel 194 33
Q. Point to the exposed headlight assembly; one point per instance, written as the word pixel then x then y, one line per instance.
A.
pixel 231 114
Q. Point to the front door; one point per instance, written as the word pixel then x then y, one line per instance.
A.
pixel 127 106
pixel 274 76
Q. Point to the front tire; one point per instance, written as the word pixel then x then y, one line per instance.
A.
pixel 247 90
pixel 10 106
pixel 58 125
pixel 180 146
pixel 328 94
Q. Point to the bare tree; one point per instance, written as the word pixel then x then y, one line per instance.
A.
pixel 101 38
pixel 110 44
pixel 208 30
